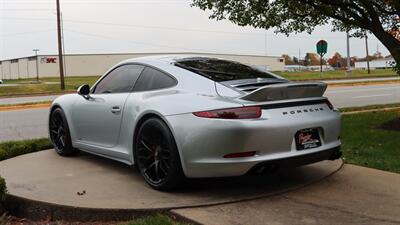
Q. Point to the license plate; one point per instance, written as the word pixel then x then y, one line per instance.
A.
pixel 307 139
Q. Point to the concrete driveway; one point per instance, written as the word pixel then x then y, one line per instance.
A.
pixel 354 195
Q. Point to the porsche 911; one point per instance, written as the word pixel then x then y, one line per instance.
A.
pixel 178 117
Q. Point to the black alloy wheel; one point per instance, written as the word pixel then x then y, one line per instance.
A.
pixel 157 156
pixel 59 133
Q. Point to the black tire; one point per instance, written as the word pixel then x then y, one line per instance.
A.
pixel 157 156
pixel 59 133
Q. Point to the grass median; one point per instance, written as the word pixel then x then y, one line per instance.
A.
pixel 48 85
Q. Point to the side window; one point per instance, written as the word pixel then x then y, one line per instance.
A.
pixel 152 79
pixel 121 79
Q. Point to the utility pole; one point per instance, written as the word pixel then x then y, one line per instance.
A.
pixel 299 59
pixel 37 64
pixel 60 47
pixel 63 44
pixel 348 55
pixel 366 48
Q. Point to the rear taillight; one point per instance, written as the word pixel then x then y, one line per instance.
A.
pixel 329 104
pixel 235 113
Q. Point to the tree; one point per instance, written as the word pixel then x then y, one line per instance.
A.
pixel 288 59
pixel 312 59
pixel 380 17
pixel 337 61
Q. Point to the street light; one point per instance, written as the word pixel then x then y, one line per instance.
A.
pixel 37 64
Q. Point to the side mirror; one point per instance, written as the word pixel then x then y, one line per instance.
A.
pixel 84 90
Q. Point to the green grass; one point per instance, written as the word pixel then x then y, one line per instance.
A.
pixel 337 74
pixel 29 87
pixel 369 107
pixel 15 148
pixel 154 220
pixel 366 145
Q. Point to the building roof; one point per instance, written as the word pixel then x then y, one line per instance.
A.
pixel 145 53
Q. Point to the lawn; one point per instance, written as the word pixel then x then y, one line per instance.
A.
pixel 366 145
pixel 29 87
pixel 337 74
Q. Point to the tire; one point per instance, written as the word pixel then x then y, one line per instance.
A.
pixel 157 156
pixel 59 133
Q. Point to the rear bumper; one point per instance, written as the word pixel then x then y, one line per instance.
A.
pixel 203 142
pixel 296 161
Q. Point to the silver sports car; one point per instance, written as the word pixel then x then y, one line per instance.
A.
pixel 177 117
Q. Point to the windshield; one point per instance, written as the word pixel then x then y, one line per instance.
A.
pixel 221 70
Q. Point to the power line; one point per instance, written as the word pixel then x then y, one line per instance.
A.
pixel 25 33
pixel 13 10
pixel 170 28
pixel 132 42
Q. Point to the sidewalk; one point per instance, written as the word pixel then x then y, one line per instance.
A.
pixel 354 195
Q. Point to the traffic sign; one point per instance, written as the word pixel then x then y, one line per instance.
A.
pixel 322 47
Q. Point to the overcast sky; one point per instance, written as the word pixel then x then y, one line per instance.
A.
pixel 121 26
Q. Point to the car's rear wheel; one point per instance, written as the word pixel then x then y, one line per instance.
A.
pixel 157 156
pixel 59 133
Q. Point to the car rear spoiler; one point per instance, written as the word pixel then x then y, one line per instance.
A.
pixel 292 90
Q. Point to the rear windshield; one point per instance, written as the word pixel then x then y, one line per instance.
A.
pixel 221 70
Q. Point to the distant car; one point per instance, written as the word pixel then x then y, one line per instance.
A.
pixel 178 117
pixel 1 81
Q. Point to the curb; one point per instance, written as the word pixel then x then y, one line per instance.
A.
pixel 371 110
pixel 24 106
pixel 38 210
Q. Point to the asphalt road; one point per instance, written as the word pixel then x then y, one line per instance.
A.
pixel 31 123
pixel 364 95
pixel 23 124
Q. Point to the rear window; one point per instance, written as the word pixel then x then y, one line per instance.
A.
pixel 221 70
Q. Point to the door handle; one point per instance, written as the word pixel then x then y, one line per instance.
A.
pixel 116 109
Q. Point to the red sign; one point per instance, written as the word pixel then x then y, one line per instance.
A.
pixel 51 60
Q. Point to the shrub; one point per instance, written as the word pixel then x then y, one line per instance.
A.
pixel 3 191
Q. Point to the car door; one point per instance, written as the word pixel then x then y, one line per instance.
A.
pixel 97 119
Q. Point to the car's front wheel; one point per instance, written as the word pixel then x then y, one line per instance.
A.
pixel 59 133
pixel 157 157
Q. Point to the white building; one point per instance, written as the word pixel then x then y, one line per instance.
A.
pixel 98 64
pixel 376 64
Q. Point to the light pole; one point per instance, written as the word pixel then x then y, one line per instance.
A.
pixel 37 64
pixel 367 50
pixel 348 55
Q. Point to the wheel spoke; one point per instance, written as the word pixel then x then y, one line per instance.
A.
pixel 62 140
pixel 149 167
pixel 145 145
pixel 157 170
pixel 165 164
pixel 163 169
